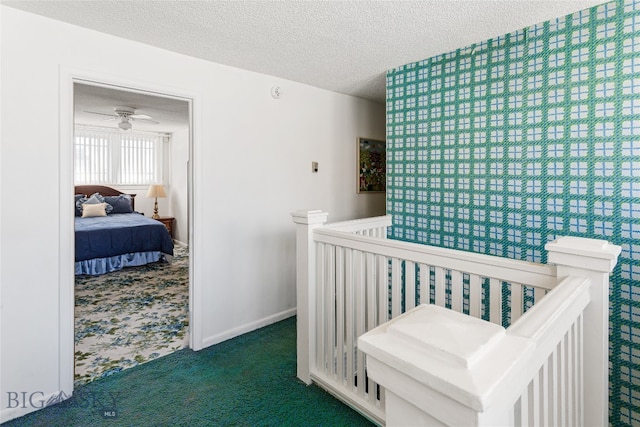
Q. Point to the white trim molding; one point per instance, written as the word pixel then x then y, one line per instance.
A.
pixel 232 333
pixel 67 78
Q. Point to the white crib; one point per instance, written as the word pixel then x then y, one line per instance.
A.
pixel 351 280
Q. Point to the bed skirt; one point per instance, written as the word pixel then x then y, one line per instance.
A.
pixel 98 266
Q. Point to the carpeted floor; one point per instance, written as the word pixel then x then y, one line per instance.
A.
pixel 247 381
pixel 130 316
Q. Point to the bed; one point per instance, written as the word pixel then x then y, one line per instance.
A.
pixel 110 235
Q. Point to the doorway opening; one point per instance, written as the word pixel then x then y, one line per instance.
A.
pixel 133 141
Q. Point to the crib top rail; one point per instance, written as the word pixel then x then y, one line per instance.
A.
pixel 508 270
pixel 356 225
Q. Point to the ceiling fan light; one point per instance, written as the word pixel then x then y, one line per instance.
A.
pixel 124 125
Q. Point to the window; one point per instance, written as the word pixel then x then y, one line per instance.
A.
pixel 104 156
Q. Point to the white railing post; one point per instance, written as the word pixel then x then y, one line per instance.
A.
pixel 441 367
pixel 594 259
pixel 306 222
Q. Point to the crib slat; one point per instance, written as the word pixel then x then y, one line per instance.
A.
pixel 561 378
pixel 580 370
pixel 440 286
pixel 360 300
pixel 325 316
pixel 382 279
pixel 571 375
pixel 536 397
pixel 545 395
pixel 424 283
pixel 349 319
pixel 517 412
pixel 475 296
pixel 553 373
pixel 456 291
pixel 340 314
pixel 396 288
pixel 371 307
pixel 329 306
pixel 409 285
pixel 320 274
pixel 522 408
pixel 495 301
pixel 370 290
pixel 517 301
pixel 371 389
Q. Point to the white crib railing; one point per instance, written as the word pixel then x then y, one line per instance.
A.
pixel 551 377
pixel 351 279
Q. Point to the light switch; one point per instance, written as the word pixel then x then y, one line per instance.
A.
pixel 314 167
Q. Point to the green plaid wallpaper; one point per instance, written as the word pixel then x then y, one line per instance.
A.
pixel 501 146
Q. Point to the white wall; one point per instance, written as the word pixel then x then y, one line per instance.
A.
pixel 252 167
pixel 177 197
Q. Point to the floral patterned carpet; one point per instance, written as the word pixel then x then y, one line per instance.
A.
pixel 131 316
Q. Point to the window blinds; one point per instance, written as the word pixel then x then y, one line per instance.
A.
pixel 115 157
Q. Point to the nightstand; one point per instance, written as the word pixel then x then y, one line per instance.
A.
pixel 168 222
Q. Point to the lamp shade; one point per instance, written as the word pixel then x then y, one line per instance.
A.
pixel 156 190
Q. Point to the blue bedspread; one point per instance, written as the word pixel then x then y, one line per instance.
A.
pixel 118 234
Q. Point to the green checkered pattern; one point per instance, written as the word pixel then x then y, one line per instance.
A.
pixel 504 145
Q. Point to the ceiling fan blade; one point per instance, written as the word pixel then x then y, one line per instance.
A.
pixel 140 116
pixel 101 114
pixel 152 122
pixel 111 119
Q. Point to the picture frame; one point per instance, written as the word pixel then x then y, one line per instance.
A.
pixel 371 157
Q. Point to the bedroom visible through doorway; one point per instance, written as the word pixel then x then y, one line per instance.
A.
pixel 131 302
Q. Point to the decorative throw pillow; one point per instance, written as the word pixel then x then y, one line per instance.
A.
pixel 94 209
pixel 93 200
pixel 78 210
pixel 120 204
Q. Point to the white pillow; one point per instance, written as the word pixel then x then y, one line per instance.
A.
pixel 94 209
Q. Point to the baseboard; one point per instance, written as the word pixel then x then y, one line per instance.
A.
pixel 29 402
pixel 232 333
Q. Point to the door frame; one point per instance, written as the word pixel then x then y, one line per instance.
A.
pixel 67 78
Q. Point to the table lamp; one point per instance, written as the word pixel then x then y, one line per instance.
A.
pixel 155 191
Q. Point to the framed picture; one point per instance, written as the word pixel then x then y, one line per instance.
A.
pixel 372 165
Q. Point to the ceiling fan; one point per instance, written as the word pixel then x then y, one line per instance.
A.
pixel 125 115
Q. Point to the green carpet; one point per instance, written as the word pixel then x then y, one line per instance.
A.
pixel 247 381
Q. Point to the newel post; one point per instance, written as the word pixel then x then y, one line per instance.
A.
pixel 595 259
pixel 306 222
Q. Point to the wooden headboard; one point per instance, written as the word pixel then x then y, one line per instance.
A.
pixel 88 190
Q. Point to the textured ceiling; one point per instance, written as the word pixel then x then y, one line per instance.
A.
pixel 171 114
pixel 343 46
